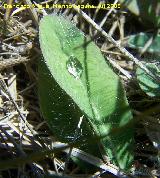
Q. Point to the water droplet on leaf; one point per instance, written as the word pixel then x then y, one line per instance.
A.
pixel 74 67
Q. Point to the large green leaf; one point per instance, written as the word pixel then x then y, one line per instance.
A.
pixel 147 10
pixel 75 80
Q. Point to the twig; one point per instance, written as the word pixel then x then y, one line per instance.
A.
pixel 147 45
pixel 119 68
pixel 111 52
pixel 8 10
pixel 12 62
pixel 97 10
pixel 121 27
pixel 92 160
pixel 106 16
pixel 113 28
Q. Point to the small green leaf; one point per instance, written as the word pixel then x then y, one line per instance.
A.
pixel 147 84
pixel 138 41
pixel 148 11
pixel 75 81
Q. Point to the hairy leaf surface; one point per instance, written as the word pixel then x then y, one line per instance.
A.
pixel 75 81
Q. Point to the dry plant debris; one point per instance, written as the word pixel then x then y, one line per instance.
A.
pixel 26 143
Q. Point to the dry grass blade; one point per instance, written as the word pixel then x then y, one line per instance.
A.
pixel 12 62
